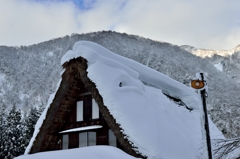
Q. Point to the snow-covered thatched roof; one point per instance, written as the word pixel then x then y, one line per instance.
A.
pixel 154 125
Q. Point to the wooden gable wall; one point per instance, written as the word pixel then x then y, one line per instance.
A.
pixel 60 109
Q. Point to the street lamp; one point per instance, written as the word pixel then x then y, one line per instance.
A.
pixel 200 84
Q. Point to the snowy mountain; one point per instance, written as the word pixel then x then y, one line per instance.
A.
pixel 29 74
pixel 226 61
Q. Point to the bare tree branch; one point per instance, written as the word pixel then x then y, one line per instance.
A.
pixel 225 146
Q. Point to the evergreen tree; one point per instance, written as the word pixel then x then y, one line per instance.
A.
pixel 3 127
pixel 14 134
pixel 29 124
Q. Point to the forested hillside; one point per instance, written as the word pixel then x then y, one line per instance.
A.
pixel 29 74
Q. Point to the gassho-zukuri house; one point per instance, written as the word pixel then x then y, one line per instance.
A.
pixel 107 99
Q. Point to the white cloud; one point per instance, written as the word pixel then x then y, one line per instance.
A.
pixel 27 22
pixel 206 24
pixel 188 22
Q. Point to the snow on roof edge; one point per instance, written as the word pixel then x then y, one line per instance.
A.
pixel 89 50
pixel 93 55
pixel 82 128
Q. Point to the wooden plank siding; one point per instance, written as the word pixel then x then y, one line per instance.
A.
pixel 73 140
pixel 102 136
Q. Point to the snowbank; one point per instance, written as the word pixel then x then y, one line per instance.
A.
pixel 91 152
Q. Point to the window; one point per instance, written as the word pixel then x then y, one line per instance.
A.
pixel 91 138
pixel 95 110
pixel 80 111
pixel 83 139
pixel 65 142
pixel 87 108
pixel 87 139
pixel 112 140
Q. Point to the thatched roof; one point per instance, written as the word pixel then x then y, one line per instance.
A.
pixel 74 76
pixel 81 67
pixel 131 99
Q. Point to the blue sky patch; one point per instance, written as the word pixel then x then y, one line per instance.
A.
pixel 81 4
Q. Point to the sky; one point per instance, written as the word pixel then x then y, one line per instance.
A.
pixel 208 24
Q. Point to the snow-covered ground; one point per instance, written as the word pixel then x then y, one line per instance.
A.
pixel 219 66
pixel 91 152
pixel 156 126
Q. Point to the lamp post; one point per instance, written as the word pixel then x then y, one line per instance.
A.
pixel 200 85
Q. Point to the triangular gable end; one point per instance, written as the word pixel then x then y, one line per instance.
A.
pixel 61 115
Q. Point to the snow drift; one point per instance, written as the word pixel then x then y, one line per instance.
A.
pixel 91 152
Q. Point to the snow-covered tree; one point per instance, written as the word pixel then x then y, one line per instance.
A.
pixel 15 133
pixel 3 127
pixel 225 147
pixel 13 145
pixel 29 124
